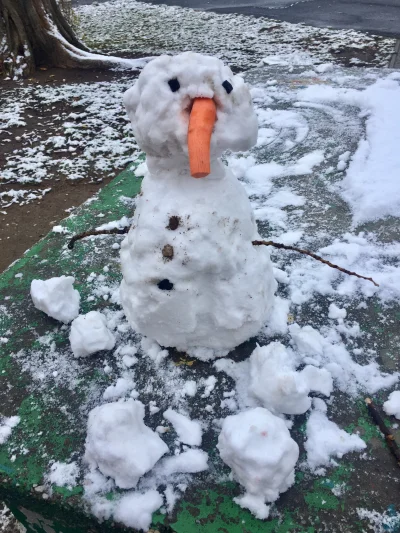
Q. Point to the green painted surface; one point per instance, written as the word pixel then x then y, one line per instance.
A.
pixel 49 432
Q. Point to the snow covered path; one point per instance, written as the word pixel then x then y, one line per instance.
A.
pixel 138 28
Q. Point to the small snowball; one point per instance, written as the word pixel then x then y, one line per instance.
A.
pixel 275 382
pixel 56 297
pixel 392 406
pixel 189 431
pixel 120 444
pixel 257 446
pixel 89 334
pixel 336 312
pixel 136 509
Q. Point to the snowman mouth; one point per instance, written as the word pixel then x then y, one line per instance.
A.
pixel 202 118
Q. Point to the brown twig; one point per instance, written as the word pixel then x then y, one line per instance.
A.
pixel 314 256
pixel 389 437
pixel 115 231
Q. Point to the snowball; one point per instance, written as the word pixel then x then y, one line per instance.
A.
pixel 258 448
pixel 325 439
pixel 120 444
pixel 62 474
pixel 392 405
pixel 136 509
pixel 6 426
pixel 89 334
pixel 189 431
pixel 336 312
pixel 307 339
pixel 275 382
pixel 56 297
pixel 189 462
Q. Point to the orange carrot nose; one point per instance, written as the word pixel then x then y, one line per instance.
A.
pixel 201 124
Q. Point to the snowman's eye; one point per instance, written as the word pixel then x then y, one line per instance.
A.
pixel 174 84
pixel 227 86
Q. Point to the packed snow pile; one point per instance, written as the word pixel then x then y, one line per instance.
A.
pixel 89 334
pixel 326 440
pixel 120 444
pixel 6 426
pixel 257 446
pixel 191 277
pixel 278 386
pixel 392 405
pixel 56 297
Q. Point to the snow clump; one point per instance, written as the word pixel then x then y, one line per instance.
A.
pixel 325 439
pixel 189 431
pixel 136 509
pixel 89 334
pixel 56 297
pixel 63 474
pixel 6 426
pixel 257 446
pixel 120 444
pixel 392 406
pixel 279 387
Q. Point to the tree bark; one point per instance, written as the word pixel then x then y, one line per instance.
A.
pixel 35 33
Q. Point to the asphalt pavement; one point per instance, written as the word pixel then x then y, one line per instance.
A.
pixel 376 16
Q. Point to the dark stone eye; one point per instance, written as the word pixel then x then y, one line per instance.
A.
pixel 227 86
pixel 174 84
pixel 165 285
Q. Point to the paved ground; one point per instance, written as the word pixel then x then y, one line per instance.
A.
pixel 377 16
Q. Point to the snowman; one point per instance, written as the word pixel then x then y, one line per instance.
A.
pixel 191 277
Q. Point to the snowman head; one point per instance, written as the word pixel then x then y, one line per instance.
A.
pixel 191 106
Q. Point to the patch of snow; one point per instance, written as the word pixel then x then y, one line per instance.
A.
pixel 188 431
pixel 326 440
pixel 6 426
pixel 63 474
pixel 136 509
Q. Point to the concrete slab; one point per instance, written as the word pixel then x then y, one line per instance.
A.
pixel 53 411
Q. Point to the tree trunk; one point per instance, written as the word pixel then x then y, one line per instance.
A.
pixel 35 33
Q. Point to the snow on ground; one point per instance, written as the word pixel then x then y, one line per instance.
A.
pixel 74 131
pixel 138 29
pixel 294 177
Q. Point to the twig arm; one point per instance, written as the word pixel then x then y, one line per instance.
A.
pixel 114 231
pixel 314 256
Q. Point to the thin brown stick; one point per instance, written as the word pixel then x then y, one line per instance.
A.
pixel 389 437
pixel 314 256
pixel 115 231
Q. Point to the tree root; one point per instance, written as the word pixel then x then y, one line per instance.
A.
pixel 122 231
pixel 389 437
pixel 115 231
pixel 314 256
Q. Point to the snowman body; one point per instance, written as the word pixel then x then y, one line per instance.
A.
pixel 191 277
